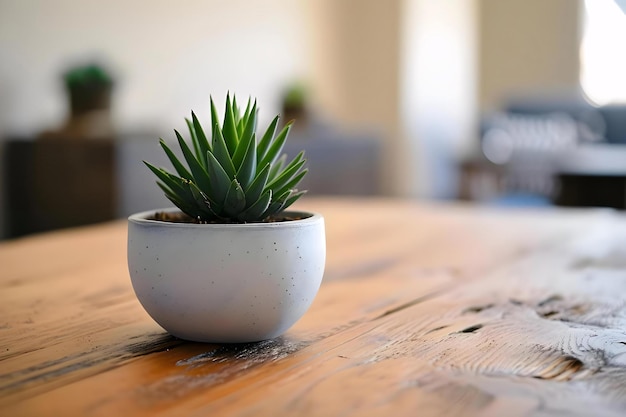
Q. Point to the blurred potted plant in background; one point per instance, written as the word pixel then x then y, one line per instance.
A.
pixel 89 88
pixel 89 91
pixel 295 104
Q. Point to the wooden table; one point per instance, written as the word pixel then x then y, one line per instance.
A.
pixel 424 310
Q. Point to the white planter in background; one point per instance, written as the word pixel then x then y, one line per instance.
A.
pixel 227 283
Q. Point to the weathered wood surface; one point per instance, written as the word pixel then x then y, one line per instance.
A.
pixel 424 310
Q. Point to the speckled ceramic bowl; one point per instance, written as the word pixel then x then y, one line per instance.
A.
pixel 226 283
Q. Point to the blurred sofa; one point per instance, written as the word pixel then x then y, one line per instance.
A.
pixel 550 151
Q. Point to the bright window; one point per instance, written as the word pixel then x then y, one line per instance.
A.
pixel 603 57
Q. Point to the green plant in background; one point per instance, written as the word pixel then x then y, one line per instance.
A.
pixel 295 96
pixel 232 177
pixel 87 75
pixel 89 88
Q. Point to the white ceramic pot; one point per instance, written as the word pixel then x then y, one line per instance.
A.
pixel 226 283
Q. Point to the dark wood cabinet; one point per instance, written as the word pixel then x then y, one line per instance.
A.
pixel 54 183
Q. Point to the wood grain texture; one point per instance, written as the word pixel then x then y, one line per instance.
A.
pixel 424 309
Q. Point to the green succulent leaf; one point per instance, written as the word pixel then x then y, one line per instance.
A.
pixel 200 176
pixel 242 122
pixel 230 128
pixel 235 108
pixel 242 150
pixel 288 173
pixel 277 167
pixel 221 180
pixel 282 197
pixel 181 203
pixel 249 122
pixel 266 140
pixel 276 147
pixel 173 182
pixel 258 185
pixel 220 151
pixel 215 120
pixel 194 140
pixel 201 198
pixel 244 159
pixel 204 202
pixel 200 142
pixel 273 208
pixel 247 168
pixel 295 180
pixel 256 210
pixel 178 166
pixel 177 190
pixel 235 200
pixel 293 198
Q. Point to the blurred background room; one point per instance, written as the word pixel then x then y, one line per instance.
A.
pixel 496 102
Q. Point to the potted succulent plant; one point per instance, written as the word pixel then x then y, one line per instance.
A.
pixel 229 264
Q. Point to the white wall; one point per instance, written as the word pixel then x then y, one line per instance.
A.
pixel 407 68
pixel 355 69
pixel 439 74
pixel 168 56
pixel 528 48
